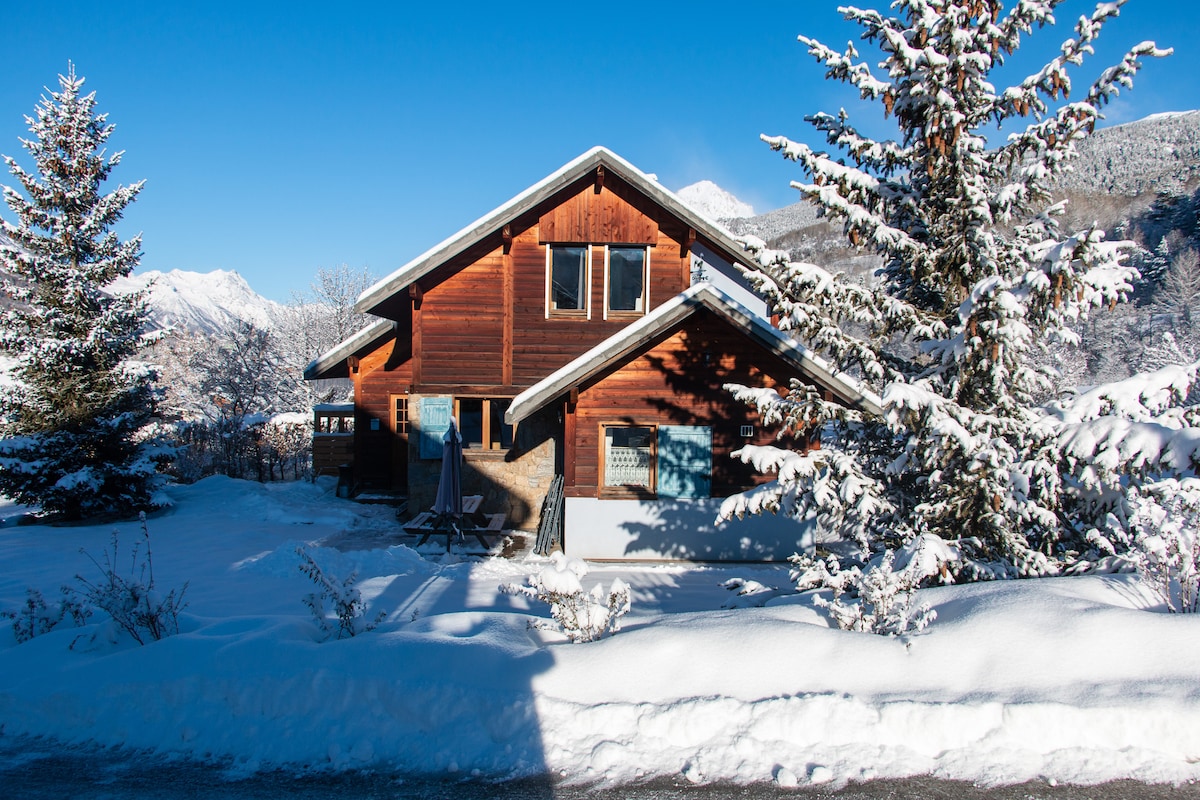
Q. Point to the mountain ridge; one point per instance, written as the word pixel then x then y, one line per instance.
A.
pixel 201 302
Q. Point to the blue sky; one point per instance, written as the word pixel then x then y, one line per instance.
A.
pixel 279 138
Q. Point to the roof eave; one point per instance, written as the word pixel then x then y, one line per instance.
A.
pixel 669 314
pixel 328 364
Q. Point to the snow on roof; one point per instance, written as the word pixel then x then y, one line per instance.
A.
pixel 324 365
pixel 670 313
pixel 371 299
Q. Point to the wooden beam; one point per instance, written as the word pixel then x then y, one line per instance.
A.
pixel 599 178
pixel 418 348
pixel 568 443
pixel 352 362
pixel 507 238
pixel 573 398
pixel 508 300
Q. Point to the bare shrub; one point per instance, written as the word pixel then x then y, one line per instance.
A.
pixel 342 598
pixel 134 603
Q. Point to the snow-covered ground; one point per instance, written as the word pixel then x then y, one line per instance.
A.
pixel 1068 679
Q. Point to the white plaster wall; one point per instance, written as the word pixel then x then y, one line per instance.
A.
pixel 655 530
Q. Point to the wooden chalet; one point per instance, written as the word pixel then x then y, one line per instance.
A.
pixel 563 334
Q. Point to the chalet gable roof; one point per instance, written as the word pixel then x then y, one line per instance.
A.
pixel 375 299
pixel 669 314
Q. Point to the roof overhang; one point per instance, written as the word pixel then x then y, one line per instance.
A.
pixel 666 316
pixel 334 363
pixel 375 299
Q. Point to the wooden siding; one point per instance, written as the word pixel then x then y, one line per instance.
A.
pixel 678 380
pixel 477 325
pixel 599 217
pixel 462 326
pixel 542 345
pixel 381 373
pixel 330 451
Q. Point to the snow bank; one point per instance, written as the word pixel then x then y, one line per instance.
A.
pixel 1073 679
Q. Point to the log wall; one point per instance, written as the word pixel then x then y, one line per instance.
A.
pixel 678 380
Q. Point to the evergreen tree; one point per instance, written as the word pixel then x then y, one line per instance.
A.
pixel 76 421
pixel 977 281
pixel 1155 265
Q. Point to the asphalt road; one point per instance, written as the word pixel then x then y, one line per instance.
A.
pixel 32 769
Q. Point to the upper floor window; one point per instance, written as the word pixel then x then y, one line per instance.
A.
pixel 625 279
pixel 568 273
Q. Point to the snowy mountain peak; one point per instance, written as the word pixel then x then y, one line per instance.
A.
pixel 713 201
pixel 201 302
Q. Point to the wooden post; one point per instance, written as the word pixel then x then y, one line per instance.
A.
pixel 417 296
pixel 569 436
pixel 507 300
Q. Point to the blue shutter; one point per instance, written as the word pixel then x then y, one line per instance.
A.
pixel 684 461
pixel 434 422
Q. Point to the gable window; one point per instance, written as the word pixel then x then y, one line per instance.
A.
pixel 625 279
pixel 568 278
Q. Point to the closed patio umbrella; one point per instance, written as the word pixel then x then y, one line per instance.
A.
pixel 448 502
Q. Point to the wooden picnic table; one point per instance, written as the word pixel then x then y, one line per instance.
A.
pixel 428 523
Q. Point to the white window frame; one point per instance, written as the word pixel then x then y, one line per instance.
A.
pixel 645 280
pixel 586 311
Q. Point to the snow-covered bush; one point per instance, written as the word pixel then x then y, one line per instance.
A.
pixel 878 600
pixel 879 596
pixel 1166 541
pixel 582 616
pixel 133 602
pixel 37 616
pixel 342 598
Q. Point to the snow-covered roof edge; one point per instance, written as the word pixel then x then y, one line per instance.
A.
pixel 668 314
pixel 491 222
pixel 322 365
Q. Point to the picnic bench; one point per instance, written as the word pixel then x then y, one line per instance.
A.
pixel 472 522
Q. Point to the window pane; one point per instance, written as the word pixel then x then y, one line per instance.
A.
pixel 501 432
pixel 401 415
pixel 568 278
pixel 627 456
pixel 626 273
pixel 470 421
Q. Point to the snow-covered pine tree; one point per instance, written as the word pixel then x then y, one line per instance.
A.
pixel 977 279
pixel 75 421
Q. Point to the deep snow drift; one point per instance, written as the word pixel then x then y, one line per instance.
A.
pixel 1070 679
